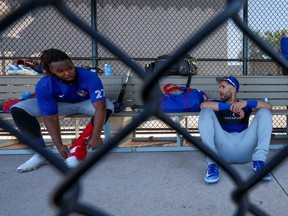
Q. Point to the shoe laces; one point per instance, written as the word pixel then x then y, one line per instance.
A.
pixel 213 169
pixel 35 156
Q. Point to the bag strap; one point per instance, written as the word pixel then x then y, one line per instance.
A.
pixel 169 88
pixel 189 79
pixel 192 67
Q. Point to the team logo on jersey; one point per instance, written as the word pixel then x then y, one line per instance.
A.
pixel 233 117
pixel 82 93
pixel 60 97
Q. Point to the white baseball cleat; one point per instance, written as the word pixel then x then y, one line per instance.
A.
pixel 34 162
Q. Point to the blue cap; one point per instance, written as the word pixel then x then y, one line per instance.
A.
pixel 231 80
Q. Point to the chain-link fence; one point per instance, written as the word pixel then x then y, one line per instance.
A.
pixel 144 29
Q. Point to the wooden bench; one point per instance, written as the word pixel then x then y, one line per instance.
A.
pixel 275 88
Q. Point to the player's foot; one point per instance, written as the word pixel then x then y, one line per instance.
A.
pixel 33 163
pixel 257 166
pixel 212 174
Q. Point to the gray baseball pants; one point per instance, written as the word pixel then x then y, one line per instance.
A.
pixel 252 143
pixel 84 107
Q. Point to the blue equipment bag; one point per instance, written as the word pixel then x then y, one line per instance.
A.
pixel 184 100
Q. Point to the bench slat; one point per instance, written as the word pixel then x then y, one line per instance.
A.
pixel 4 80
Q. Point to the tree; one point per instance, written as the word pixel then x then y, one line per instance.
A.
pixel 272 38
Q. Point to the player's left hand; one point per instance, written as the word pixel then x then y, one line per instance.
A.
pixel 95 142
pixel 237 108
pixel 63 150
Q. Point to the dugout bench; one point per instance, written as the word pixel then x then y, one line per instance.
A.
pixel 275 88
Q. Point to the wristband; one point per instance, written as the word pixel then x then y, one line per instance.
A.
pixel 223 106
pixel 252 103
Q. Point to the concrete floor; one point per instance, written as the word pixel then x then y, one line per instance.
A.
pixel 140 184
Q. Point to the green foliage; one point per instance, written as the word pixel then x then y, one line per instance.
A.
pixel 272 38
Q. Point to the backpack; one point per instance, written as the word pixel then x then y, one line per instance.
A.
pixel 185 67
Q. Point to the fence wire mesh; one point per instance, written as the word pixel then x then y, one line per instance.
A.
pixel 145 30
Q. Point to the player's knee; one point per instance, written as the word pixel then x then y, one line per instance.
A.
pixel 206 111
pixel 264 111
pixel 17 112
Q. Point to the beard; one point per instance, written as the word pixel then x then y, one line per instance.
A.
pixel 69 81
pixel 225 97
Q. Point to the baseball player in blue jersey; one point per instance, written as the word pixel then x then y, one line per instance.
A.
pixel 63 90
pixel 224 128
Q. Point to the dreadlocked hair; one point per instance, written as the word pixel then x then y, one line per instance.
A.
pixel 52 55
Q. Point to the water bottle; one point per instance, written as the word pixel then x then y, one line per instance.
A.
pixel 107 70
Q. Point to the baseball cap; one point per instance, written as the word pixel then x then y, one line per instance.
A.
pixel 231 80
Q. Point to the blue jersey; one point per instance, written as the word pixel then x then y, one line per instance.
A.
pixel 50 90
pixel 231 122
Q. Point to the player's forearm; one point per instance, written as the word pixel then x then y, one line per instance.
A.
pixel 261 104
pixel 99 119
pixel 53 127
pixel 210 104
